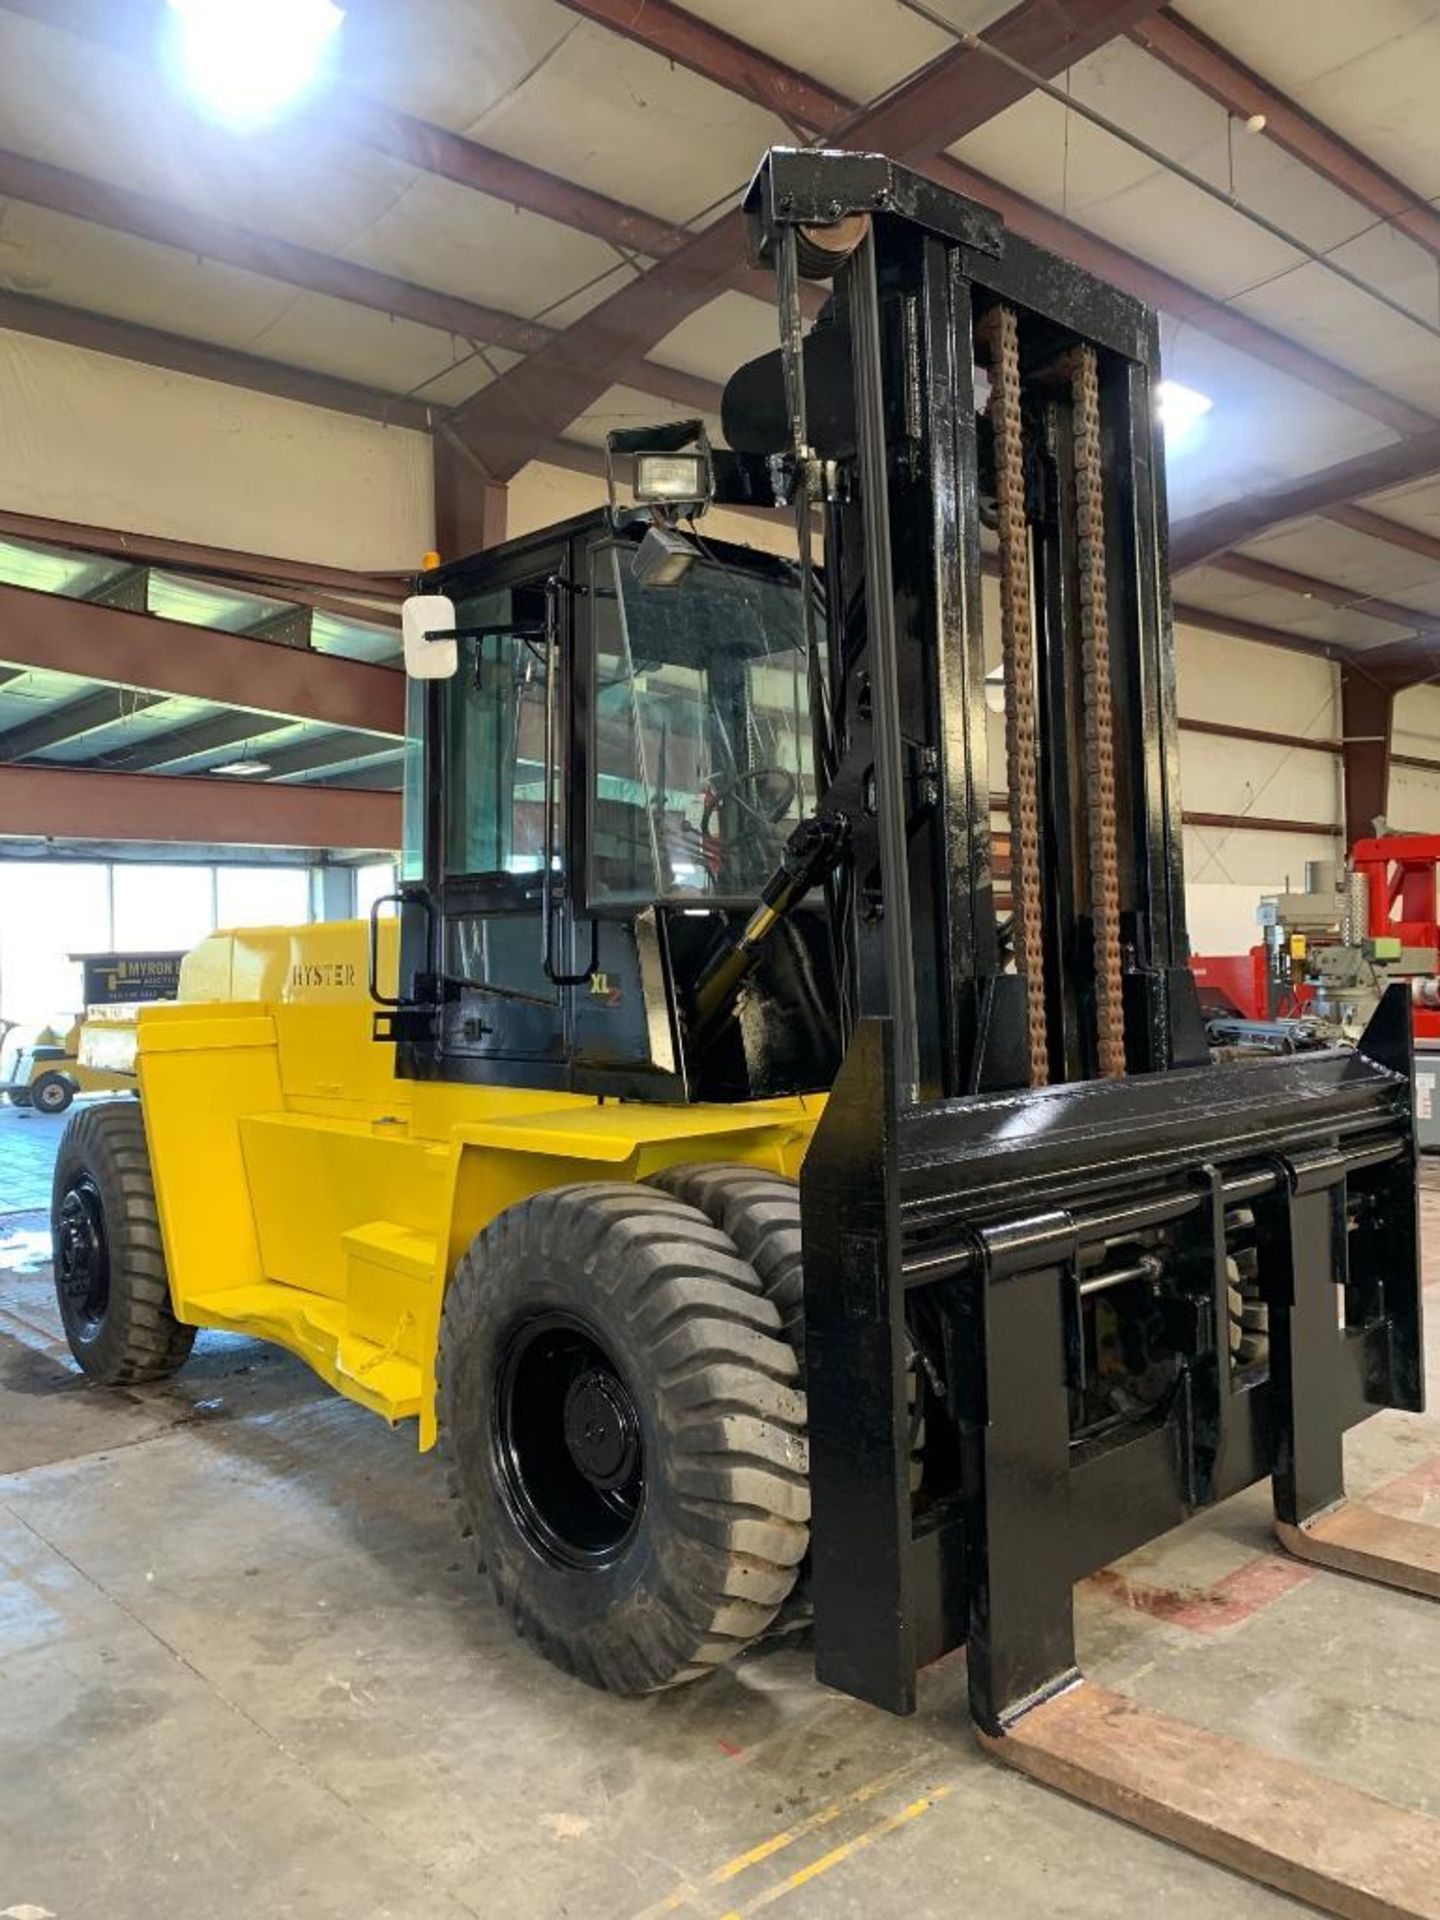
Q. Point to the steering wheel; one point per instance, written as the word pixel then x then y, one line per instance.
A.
pixel 765 793
pixel 762 797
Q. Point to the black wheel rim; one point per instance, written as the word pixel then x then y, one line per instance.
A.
pixel 568 1442
pixel 82 1257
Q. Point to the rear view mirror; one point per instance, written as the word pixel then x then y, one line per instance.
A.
pixel 427 624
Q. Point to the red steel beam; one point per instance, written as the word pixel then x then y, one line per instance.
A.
pixel 1200 537
pixel 717 56
pixel 1379 527
pixel 1402 663
pixel 260 570
pixel 169 224
pixel 1260 823
pixel 79 804
pixel 1230 628
pixel 466 163
pixel 262 574
pixel 538 398
pixel 471 512
pixel 199 663
pixel 1265 573
pixel 124 340
pixel 1200 60
pixel 1262 736
pixel 1367 726
pixel 1412 656
pixel 676 34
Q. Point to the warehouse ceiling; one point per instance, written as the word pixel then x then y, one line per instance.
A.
pixel 65 720
pixel 476 178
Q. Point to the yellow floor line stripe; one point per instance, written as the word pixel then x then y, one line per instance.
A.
pixel 803 1875
pixel 752 1856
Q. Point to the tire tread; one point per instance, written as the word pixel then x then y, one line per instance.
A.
pixel 729 1411
pixel 141 1339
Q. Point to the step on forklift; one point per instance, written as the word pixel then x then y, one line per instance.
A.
pixel 771 1230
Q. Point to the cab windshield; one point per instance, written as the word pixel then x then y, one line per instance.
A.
pixel 701 764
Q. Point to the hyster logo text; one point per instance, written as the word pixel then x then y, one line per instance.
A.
pixel 324 973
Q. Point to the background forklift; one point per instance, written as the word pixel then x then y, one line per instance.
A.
pixel 41 1066
pixel 700 899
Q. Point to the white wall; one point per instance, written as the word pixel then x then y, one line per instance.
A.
pixel 96 439
pixel 1415 792
pixel 1238 683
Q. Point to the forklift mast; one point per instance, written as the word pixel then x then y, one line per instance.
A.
pixel 933 303
pixel 1134 1281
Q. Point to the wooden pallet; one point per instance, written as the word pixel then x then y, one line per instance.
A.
pixel 1293 1829
pixel 1353 1538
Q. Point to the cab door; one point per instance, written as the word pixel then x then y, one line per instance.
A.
pixel 488 766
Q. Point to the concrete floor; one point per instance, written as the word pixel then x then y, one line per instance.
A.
pixel 245 1671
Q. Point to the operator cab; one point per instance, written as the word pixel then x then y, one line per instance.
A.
pixel 594 801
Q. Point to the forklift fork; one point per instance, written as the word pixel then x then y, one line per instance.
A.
pixel 978 1217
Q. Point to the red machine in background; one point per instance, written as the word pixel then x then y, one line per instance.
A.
pixel 1328 953
pixel 1239 983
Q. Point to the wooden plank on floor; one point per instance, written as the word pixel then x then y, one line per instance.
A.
pixel 1306 1835
pixel 1354 1538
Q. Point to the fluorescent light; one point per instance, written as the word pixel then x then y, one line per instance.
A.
pixel 245 60
pixel 1181 411
pixel 243 769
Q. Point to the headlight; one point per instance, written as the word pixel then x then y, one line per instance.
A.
pixel 671 479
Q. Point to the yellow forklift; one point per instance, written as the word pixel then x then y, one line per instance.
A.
pixel 769 1227
pixel 45 1066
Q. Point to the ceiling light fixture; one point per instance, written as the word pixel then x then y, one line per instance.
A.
pixel 243 769
pixel 1181 411
pixel 244 61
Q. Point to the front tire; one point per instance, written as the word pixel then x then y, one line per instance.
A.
pixel 624 1434
pixel 111 1281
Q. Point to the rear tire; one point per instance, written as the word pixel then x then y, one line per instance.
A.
pixel 760 1212
pixel 20 1097
pixel 624 1434
pixel 111 1281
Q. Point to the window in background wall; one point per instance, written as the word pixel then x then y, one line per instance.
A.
pixel 371 882
pixel 158 909
pixel 47 912
pixel 262 896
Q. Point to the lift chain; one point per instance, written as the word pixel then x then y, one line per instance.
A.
pixel 1099 712
pixel 1000 330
